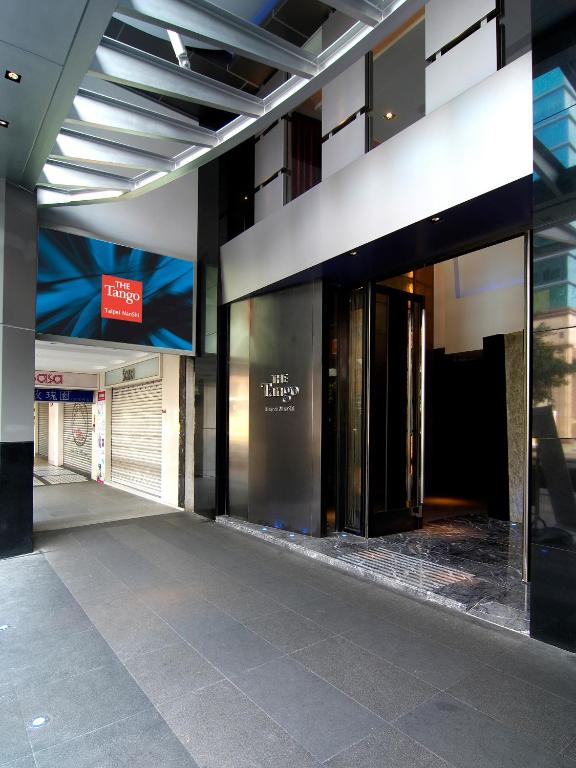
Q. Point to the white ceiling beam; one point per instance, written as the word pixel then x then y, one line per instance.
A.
pixel 363 10
pixel 74 145
pixel 68 176
pixel 216 26
pixel 96 110
pixel 123 64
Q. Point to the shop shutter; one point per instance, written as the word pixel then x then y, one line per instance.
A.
pixel 78 437
pixel 137 437
pixel 42 415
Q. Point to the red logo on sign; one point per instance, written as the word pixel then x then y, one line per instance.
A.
pixel 121 299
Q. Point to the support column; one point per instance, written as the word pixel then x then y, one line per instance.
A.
pixel 18 265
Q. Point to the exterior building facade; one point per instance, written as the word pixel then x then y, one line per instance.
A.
pixel 386 271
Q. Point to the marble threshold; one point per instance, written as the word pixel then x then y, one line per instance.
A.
pixel 470 563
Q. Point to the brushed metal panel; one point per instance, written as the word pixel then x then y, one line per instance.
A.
pixel 476 143
pixel 447 19
pixel 470 62
pixel 344 147
pixel 344 96
pixel 269 153
pixel 284 464
pixel 238 409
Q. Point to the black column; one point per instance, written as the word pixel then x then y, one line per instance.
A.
pixel 18 265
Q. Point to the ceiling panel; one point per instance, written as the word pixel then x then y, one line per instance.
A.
pixel 24 105
pixel 43 27
pixel 79 358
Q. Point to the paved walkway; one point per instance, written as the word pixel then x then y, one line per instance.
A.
pixel 75 504
pixel 170 642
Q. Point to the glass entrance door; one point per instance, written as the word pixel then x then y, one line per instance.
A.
pixel 384 423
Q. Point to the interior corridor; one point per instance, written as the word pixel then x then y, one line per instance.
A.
pixel 170 641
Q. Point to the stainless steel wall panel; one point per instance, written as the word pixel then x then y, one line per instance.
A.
pixel 285 409
pixel 239 409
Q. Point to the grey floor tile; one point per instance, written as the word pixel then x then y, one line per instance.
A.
pixel 432 662
pixel 390 749
pixel 318 716
pixel 13 737
pixel 56 658
pixel 386 690
pixel 171 673
pixel 244 737
pixel 130 627
pixel 520 705
pixel 292 593
pixel 56 619
pixel 570 751
pixel 287 630
pixel 334 614
pixel 225 642
pixel 142 741
pixel 468 739
pixel 240 602
pixel 80 704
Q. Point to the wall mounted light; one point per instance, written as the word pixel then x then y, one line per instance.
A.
pixel 389 115
pixel 13 76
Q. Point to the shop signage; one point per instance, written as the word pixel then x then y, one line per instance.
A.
pixel 63 396
pixel 279 388
pixel 65 379
pixel 102 395
pixel 121 299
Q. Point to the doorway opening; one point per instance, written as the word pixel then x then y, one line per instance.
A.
pixel 109 434
pixel 431 413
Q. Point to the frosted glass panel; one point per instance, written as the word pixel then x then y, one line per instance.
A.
pixel 447 19
pixel 470 62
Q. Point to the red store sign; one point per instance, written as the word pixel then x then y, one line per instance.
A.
pixel 121 299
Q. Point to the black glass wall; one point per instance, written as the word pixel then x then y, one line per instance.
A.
pixel 553 566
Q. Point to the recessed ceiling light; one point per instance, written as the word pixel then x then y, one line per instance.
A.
pixel 389 115
pixel 353 253
pixel 4 123
pixel 118 362
pixel 13 76
pixel 39 721
pixel 436 219
pixel 99 367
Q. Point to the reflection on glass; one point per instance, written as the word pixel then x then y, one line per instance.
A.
pixel 555 116
pixel 553 376
pixel 355 421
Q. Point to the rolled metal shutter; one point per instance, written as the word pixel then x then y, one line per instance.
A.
pixel 137 437
pixel 42 415
pixel 78 437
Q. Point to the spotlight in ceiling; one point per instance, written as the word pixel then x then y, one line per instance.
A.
pixel 436 219
pixel 39 721
pixel 389 115
pixel 14 77
pixel 353 253
pixel 4 123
